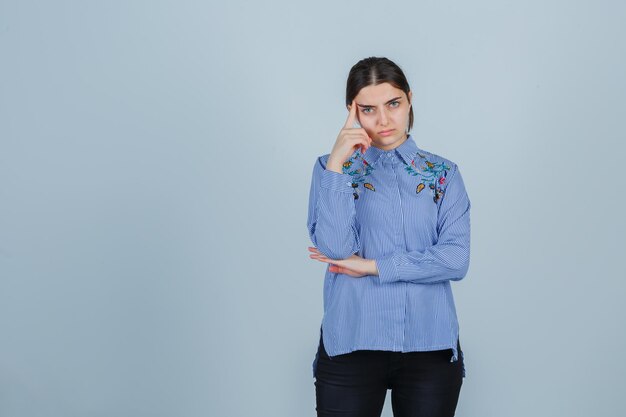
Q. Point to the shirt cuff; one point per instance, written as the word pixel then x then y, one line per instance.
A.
pixel 338 182
pixel 387 271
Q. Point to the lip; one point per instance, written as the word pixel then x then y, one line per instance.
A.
pixel 386 132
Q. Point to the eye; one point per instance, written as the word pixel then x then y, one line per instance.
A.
pixel 366 110
pixel 394 103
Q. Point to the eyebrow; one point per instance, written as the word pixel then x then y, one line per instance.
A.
pixel 369 105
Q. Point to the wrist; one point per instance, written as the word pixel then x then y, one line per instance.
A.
pixel 334 166
pixel 373 268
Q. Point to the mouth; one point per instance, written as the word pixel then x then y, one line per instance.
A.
pixel 386 132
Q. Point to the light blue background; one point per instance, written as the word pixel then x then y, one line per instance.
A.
pixel 155 162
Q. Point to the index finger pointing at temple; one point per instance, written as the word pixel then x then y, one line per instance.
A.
pixel 352 115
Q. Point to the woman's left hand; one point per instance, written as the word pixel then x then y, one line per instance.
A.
pixel 354 265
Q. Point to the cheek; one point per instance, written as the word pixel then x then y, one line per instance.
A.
pixel 369 126
pixel 366 121
pixel 401 117
pixel 402 113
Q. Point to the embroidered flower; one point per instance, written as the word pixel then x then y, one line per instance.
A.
pixel 358 175
pixel 438 194
pixel 431 173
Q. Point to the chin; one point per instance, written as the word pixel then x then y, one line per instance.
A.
pixel 389 139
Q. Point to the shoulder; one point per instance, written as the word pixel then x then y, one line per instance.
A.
pixel 320 164
pixel 435 163
pixel 441 162
pixel 323 160
pixel 441 170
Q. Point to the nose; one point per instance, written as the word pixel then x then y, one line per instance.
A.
pixel 383 117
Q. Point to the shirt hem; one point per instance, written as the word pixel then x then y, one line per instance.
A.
pixel 387 349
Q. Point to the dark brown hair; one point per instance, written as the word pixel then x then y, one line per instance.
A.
pixel 374 71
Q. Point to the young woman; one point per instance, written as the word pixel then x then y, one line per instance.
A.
pixel 392 222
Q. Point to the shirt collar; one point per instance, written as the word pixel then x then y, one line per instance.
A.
pixel 406 151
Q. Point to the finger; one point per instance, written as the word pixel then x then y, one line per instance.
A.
pixel 320 258
pixel 362 142
pixel 326 261
pixel 342 270
pixel 351 115
pixel 358 134
pixel 315 251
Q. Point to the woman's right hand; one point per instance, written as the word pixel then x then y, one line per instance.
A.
pixel 349 139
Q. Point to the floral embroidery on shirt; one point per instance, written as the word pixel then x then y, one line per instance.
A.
pixel 359 174
pixel 433 174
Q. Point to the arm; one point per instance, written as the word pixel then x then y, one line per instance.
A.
pixel 332 213
pixel 448 259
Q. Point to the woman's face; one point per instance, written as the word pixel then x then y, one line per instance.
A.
pixel 383 111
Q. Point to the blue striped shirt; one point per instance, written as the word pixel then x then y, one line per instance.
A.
pixel 407 209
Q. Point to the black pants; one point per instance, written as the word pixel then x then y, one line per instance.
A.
pixel 423 384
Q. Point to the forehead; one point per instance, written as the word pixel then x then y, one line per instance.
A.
pixel 378 94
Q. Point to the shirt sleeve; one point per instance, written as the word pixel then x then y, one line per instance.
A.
pixel 448 259
pixel 332 213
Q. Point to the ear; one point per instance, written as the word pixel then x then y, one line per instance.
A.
pixel 410 96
